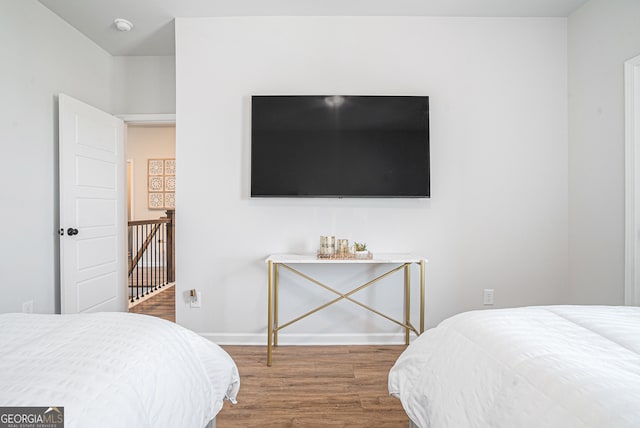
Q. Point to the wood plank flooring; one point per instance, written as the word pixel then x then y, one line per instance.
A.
pixel 161 305
pixel 314 386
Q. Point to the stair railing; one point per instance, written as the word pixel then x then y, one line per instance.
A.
pixel 151 255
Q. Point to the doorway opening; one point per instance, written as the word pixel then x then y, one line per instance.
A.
pixel 151 176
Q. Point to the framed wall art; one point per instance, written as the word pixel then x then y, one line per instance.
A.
pixel 161 184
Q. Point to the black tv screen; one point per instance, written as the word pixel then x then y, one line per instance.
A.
pixel 340 146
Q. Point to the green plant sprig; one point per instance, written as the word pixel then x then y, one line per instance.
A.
pixel 360 246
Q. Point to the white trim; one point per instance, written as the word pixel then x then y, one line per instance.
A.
pixel 632 182
pixel 148 118
pixel 130 196
pixel 307 339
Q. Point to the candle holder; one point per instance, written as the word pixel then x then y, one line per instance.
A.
pixel 343 247
pixel 327 245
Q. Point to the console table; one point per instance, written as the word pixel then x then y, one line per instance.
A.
pixel 286 261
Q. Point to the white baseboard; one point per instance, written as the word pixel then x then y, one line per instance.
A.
pixel 308 339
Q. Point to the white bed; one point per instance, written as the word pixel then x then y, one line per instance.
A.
pixel 114 370
pixel 547 366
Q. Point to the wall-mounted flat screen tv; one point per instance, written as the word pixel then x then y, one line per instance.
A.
pixel 340 146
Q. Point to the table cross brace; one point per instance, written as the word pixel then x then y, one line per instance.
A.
pixel 345 296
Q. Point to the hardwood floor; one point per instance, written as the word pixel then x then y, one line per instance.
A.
pixel 161 305
pixel 314 386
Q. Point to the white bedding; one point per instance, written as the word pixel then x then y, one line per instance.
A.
pixel 548 366
pixel 114 370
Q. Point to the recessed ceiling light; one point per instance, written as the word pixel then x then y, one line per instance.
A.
pixel 123 24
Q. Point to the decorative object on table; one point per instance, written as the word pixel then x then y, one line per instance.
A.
pixel 161 183
pixel 360 250
pixel 327 246
pixel 341 251
pixel 343 247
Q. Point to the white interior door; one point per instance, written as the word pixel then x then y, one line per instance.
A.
pixel 632 181
pixel 92 209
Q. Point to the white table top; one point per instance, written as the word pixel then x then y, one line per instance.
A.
pixel 313 258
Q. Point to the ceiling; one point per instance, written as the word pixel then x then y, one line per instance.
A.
pixel 153 32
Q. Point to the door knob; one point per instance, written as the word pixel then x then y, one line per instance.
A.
pixel 71 231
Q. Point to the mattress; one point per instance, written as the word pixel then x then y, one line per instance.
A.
pixel 114 369
pixel 548 366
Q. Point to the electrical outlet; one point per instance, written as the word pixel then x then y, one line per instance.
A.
pixel 488 296
pixel 196 301
pixel 27 307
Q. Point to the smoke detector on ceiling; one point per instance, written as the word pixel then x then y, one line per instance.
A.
pixel 122 24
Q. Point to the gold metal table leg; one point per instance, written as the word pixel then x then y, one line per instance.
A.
pixel 421 296
pixel 275 304
pixel 407 301
pixel 269 311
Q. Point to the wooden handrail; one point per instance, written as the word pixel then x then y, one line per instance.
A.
pixel 154 221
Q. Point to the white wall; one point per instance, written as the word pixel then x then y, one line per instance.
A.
pixel 143 143
pixel 41 57
pixel 603 34
pixel 144 84
pixel 498 213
